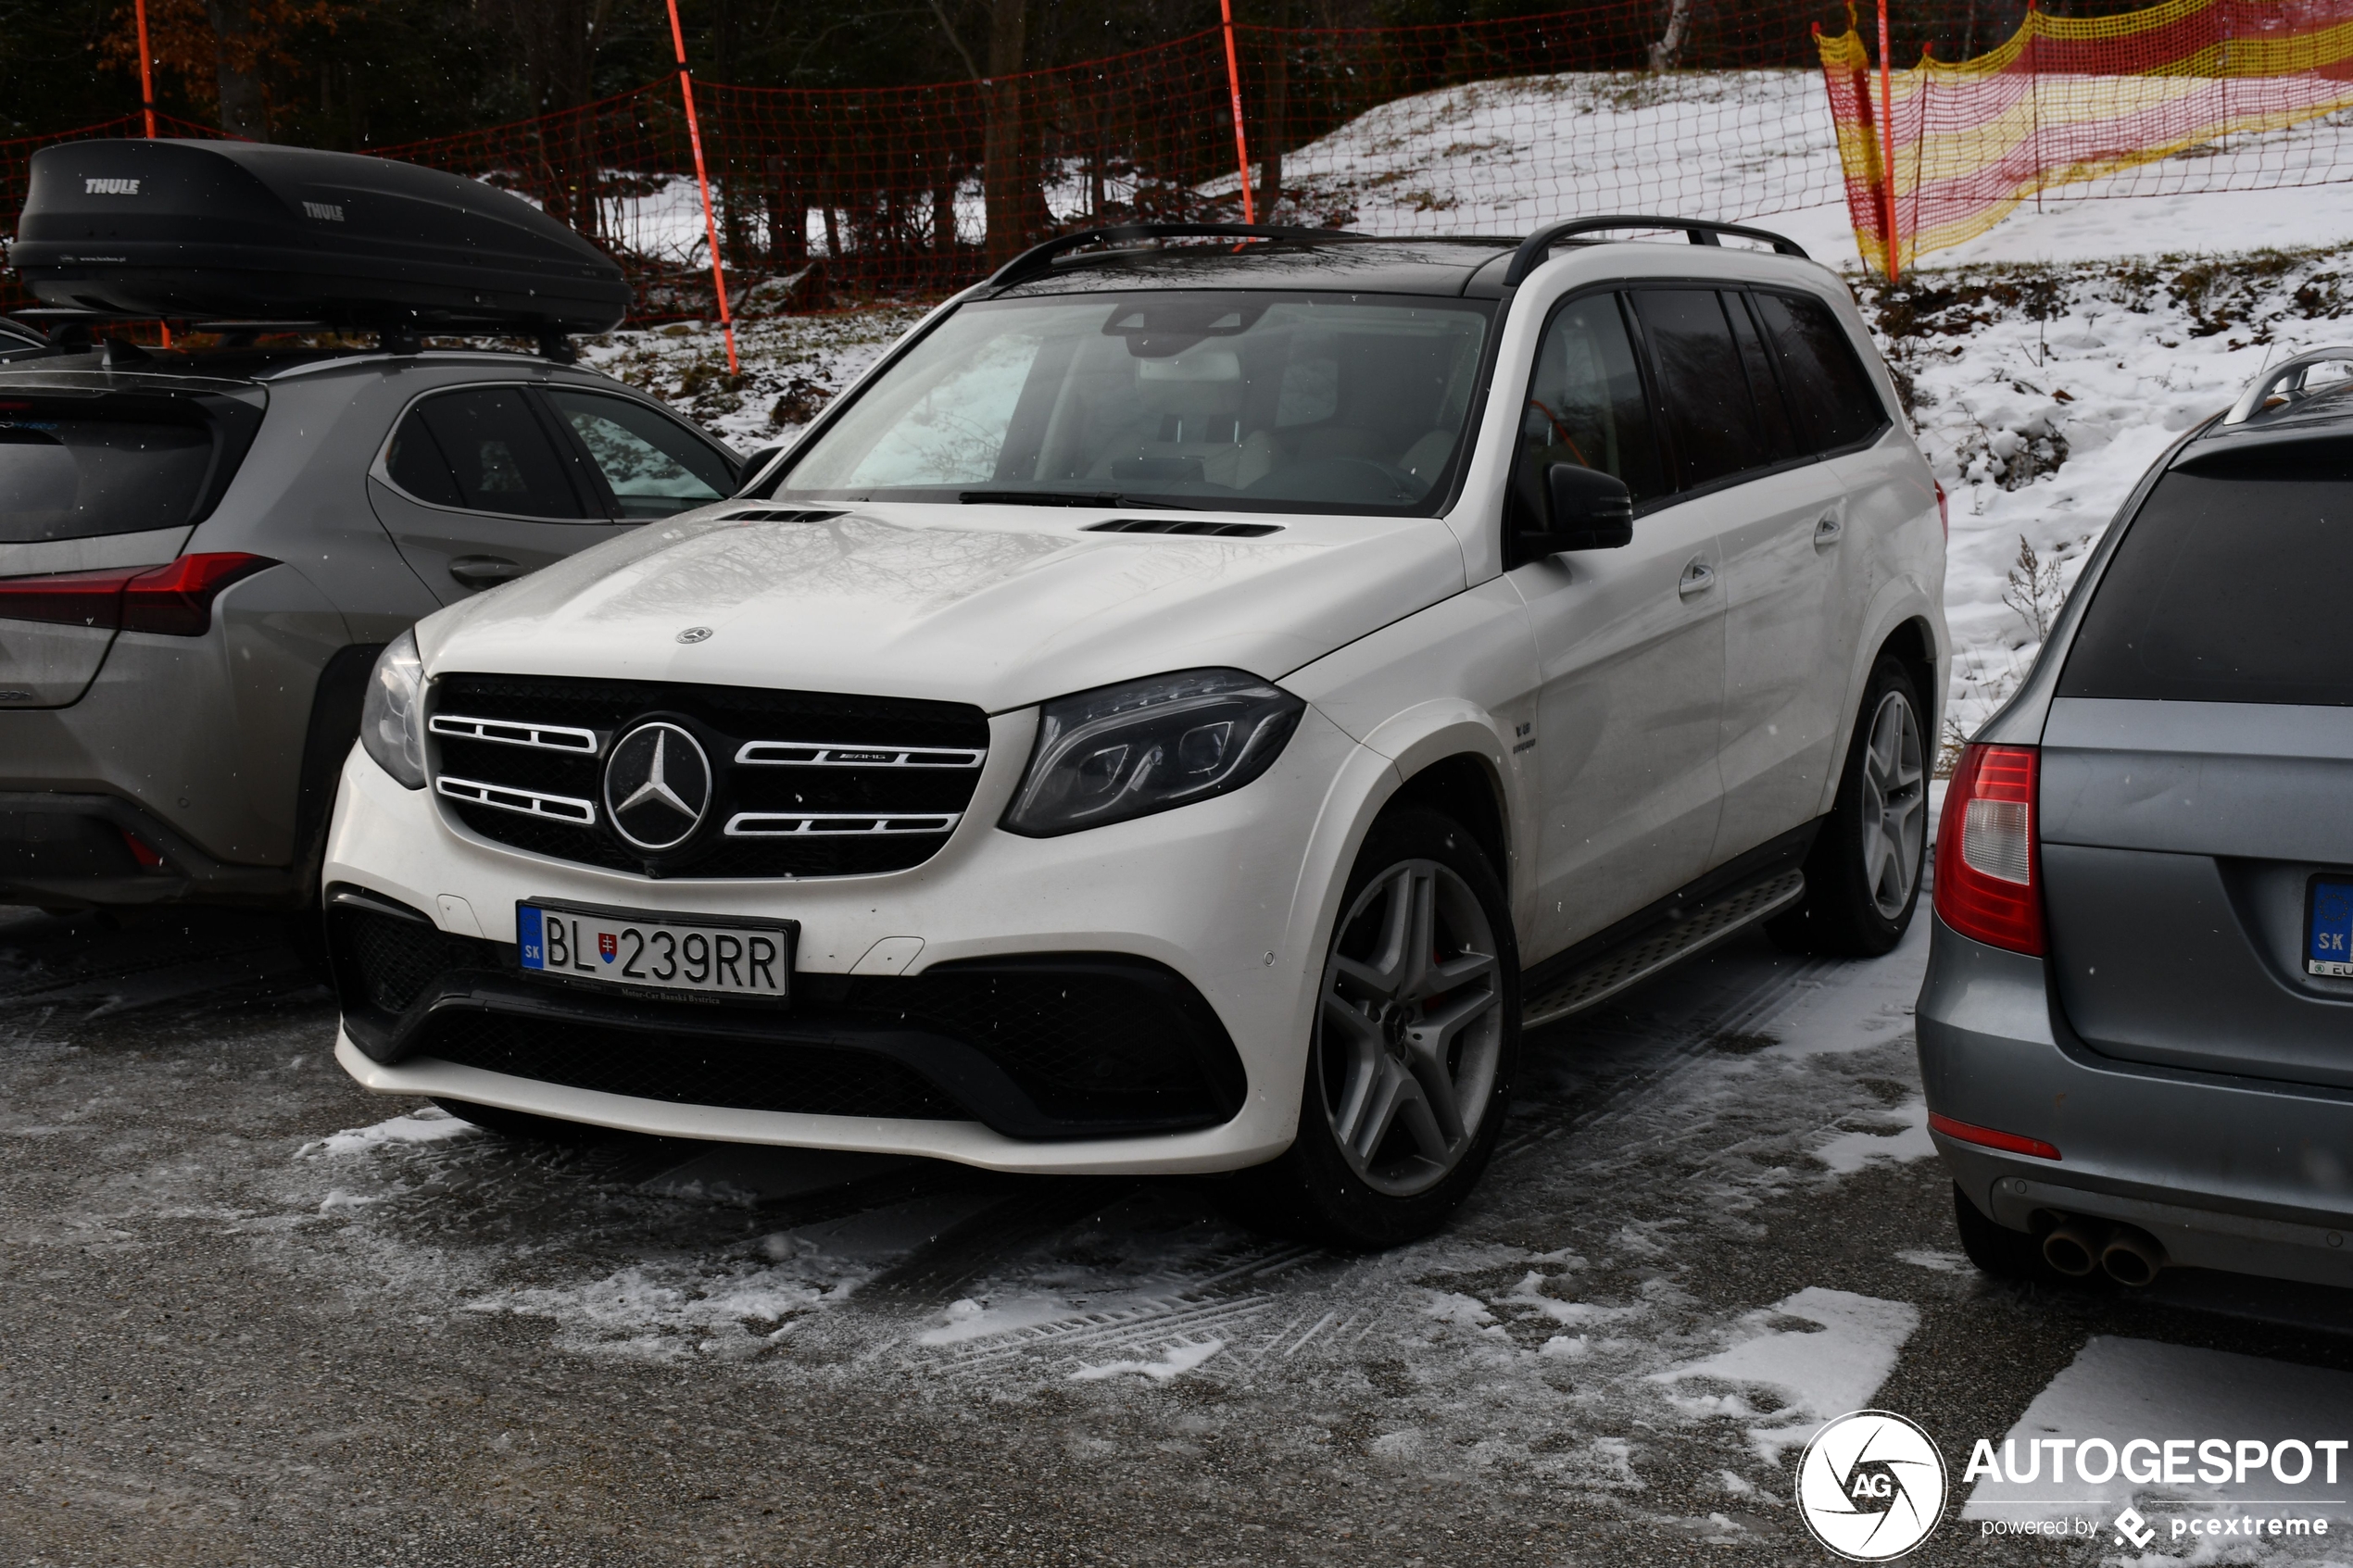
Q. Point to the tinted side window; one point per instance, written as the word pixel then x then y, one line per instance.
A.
pixel 494 456
pixel 654 467
pixel 417 466
pixel 2225 588
pixel 1585 406
pixel 1830 392
pixel 1702 384
pixel 1763 386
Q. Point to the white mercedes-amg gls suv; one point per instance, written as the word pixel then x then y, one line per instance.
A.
pixel 1186 710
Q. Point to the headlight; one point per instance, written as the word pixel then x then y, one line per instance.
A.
pixel 1129 750
pixel 392 721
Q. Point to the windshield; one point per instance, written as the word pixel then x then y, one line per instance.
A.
pixel 1226 400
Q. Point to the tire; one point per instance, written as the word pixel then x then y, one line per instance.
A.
pixel 1863 875
pixel 1408 1070
pixel 1998 1250
pixel 521 1125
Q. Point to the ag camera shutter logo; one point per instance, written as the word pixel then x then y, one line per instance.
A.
pixel 1871 1486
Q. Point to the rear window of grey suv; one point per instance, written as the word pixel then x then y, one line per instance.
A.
pixel 2227 585
pixel 80 468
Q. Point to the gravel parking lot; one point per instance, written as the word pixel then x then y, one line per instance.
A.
pixel 257 1316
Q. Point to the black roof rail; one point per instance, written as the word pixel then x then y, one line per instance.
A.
pixel 1037 259
pixel 1533 249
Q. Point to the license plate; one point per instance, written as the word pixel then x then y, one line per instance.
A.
pixel 633 948
pixel 2328 928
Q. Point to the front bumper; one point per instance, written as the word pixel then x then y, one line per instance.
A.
pixel 2228 1173
pixel 1227 897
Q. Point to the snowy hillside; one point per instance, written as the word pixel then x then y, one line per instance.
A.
pixel 2041 394
pixel 2050 360
pixel 1506 156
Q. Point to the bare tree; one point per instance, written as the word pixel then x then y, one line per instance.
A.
pixel 237 66
pixel 1276 128
pixel 1004 177
pixel 1668 51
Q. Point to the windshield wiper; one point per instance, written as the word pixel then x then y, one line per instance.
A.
pixel 1064 499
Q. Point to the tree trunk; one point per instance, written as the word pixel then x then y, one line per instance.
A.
pixel 1276 126
pixel 237 70
pixel 1669 49
pixel 787 217
pixel 943 220
pixel 1004 173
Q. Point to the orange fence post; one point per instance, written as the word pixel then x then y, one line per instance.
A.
pixel 1887 147
pixel 146 72
pixel 147 105
pixel 702 181
pixel 1234 81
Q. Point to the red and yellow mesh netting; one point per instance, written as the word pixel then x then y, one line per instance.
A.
pixel 2093 102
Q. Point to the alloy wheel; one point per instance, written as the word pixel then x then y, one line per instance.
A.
pixel 1894 805
pixel 1409 1028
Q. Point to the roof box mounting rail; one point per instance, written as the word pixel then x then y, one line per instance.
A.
pixel 1038 259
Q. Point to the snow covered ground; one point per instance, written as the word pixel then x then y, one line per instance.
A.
pixel 1713 1223
pixel 2041 394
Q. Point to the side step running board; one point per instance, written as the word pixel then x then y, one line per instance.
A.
pixel 1614 970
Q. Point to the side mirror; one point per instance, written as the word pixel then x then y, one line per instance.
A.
pixel 1586 510
pixel 753 464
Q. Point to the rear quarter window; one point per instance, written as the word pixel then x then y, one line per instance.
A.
pixel 85 468
pixel 2228 586
pixel 1829 391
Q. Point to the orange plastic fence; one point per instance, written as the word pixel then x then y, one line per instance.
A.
pixel 2104 107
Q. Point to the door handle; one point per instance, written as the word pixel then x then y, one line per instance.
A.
pixel 1698 577
pixel 485 572
pixel 1827 531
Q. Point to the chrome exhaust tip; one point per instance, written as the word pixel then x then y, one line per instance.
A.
pixel 2071 1250
pixel 2132 1257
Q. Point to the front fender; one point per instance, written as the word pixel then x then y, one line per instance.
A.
pixel 1457 678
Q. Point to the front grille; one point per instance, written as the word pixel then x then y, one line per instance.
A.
pixel 687 1069
pixel 805 784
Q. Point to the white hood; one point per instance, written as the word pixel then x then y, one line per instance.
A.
pixel 999 606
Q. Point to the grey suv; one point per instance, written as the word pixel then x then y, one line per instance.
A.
pixel 201 555
pixel 2137 1027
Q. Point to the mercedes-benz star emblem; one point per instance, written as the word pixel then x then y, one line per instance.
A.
pixel 656 786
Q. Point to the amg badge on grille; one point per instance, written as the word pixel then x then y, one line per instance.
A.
pixel 656 786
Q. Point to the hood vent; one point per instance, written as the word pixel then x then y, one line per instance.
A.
pixel 1184 526
pixel 781 514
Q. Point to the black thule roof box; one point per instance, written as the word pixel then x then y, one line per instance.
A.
pixel 233 231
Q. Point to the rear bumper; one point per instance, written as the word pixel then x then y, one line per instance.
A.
pixel 69 851
pixel 2228 1173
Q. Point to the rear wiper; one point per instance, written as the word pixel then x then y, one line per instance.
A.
pixel 1064 498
